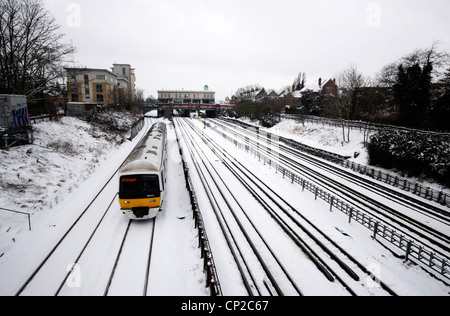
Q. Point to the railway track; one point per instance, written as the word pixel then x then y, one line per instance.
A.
pixel 133 246
pixel 373 196
pixel 334 263
pixel 416 192
pixel 247 255
pixel 416 204
pixel 63 270
pixel 414 218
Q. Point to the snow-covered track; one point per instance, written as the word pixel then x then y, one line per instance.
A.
pixel 331 259
pixel 133 246
pixel 370 203
pixel 424 207
pixel 415 195
pixel 350 186
pixel 334 173
pixel 45 281
pixel 387 206
pixel 257 263
pixel 375 207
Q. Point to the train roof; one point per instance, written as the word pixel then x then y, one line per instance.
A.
pixel 149 154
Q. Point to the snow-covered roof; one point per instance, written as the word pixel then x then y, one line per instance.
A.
pixel 297 94
pixel 315 87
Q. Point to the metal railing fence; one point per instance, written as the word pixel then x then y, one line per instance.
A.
pixel 413 249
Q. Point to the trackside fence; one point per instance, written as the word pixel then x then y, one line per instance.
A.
pixel 137 127
pixel 416 188
pixel 21 213
pixel 413 250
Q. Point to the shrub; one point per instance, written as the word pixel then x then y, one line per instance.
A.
pixel 411 152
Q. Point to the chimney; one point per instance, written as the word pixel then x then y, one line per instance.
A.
pixel 320 82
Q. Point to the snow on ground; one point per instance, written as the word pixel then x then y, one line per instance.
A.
pixel 56 178
pixel 64 154
pixel 37 178
pixel 403 278
pixel 330 138
pixel 179 270
pixel 326 137
pixel 69 163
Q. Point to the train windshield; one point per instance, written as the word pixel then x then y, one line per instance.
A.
pixel 139 187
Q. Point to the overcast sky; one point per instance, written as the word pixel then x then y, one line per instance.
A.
pixel 228 44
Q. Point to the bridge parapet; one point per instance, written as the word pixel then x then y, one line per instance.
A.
pixel 196 107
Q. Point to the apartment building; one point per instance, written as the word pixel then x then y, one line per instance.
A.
pixel 127 77
pixel 101 86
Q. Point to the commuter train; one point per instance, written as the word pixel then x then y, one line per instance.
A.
pixel 143 176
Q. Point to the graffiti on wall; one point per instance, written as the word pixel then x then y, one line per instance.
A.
pixel 20 117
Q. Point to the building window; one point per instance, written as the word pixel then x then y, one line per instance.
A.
pixel 74 87
pixel 101 77
pixel 100 98
pixel 75 98
pixel 86 77
pixel 99 88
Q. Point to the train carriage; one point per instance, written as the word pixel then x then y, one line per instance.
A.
pixel 143 176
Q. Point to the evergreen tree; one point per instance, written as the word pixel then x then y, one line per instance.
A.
pixel 299 82
pixel 440 114
pixel 412 94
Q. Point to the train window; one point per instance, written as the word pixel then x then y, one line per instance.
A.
pixel 139 187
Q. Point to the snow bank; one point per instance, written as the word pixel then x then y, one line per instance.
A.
pixel 36 178
pixel 330 138
pixel 327 138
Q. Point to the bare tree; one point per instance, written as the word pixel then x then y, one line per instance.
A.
pixel 343 103
pixel 439 59
pixel 387 77
pixel 30 50
pixel 248 92
pixel 299 82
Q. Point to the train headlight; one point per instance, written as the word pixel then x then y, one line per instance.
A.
pixel 127 202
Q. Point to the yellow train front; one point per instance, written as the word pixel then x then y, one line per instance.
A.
pixel 143 176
